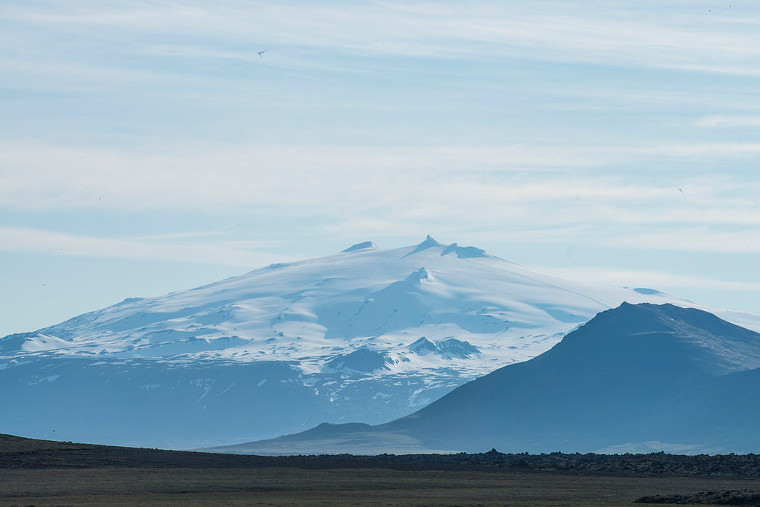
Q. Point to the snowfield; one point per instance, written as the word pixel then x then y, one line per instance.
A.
pixel 366 335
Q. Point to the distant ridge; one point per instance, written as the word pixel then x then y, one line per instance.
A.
pixel 288 346
pixel 40 455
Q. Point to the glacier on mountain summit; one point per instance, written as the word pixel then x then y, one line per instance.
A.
pixel 289 346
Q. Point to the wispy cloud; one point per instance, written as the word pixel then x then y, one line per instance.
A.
pixel 692 239
pixel 700 150
pixel 539 186
pixel 645 278
pixel 235 253
pixel 728 121
pixel 684 36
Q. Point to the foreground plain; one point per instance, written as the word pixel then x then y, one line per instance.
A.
pixel 40 473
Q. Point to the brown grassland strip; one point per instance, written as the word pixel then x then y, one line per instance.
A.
pixel 293 486
pixel 44 473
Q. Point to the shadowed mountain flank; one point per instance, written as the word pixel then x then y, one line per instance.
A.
pixel 283 348
pixel 639 376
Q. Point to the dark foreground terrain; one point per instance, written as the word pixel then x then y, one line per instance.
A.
pixel 34 472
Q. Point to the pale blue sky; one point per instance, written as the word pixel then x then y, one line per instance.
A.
pixel 146 147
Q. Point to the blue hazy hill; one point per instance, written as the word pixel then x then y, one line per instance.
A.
pixel 633 378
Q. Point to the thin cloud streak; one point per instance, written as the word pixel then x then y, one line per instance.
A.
pixel 234 253
pixel 693 240
pixel 644 278
pixel 548 31
pixel 538 186
pixel 728 121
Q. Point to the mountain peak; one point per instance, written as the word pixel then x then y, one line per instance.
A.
pixel 366 245
pixel 463 252
pixel 681 338
pixel 428 243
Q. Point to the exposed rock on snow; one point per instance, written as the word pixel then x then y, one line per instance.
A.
pixel 328 334
pixel 367 245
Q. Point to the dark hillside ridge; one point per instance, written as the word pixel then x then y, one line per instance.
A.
pixel 638 375
pixel 19 453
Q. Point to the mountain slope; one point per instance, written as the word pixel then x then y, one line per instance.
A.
pixel 366 335
pixel 638 376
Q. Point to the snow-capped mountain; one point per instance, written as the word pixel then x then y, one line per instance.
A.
pixel 636 378
pixel 365 335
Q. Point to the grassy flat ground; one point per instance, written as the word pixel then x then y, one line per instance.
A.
pixel 288 486
pixel 49 473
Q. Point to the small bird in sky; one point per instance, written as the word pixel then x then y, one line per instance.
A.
pixel 680 190
pixel 261 53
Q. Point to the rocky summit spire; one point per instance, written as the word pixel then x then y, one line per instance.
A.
pixel 428 243
pixel 366 245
